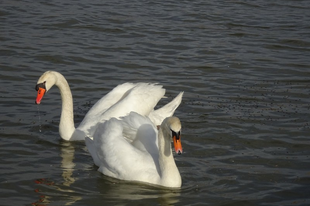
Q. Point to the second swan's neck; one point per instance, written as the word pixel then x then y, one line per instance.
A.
pixel 170 175
pixel 66 125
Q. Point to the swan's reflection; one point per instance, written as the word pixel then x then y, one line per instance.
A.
pixel 67 152
pixel 67 164
pixel 114 189
pixel 122 191
pixel 111 189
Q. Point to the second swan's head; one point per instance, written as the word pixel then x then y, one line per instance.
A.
pixel 45 82
pixel 174 125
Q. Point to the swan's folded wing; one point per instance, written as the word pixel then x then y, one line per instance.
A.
pixel 141 132
pixel 118 157
pixel 92 150
pixel 94 115
pixel 142 99
pixel 131 124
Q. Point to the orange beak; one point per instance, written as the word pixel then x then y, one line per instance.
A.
pixel 177 144
pixel 41 92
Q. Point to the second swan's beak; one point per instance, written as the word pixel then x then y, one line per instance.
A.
pixel 41 92
pixel 177 143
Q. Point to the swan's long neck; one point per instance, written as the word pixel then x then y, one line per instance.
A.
pixel 66 125
pixel 170 175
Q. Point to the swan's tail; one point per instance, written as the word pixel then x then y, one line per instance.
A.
pixel 157 116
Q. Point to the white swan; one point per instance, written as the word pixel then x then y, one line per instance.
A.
pixel 133 149
pixel 127 97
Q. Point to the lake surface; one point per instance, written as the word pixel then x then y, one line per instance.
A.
pixel 243 65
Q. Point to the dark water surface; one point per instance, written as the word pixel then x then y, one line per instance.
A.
pixel 244 67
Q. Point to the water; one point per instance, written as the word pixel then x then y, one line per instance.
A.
pixel 244 67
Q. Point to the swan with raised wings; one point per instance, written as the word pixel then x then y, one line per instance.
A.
pixel 127 97
pixel 133 149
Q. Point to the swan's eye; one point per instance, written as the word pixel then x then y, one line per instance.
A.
pixel 176 135
pixel 41 85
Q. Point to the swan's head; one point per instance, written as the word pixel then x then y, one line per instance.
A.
pixel 45 82
pixel 174 125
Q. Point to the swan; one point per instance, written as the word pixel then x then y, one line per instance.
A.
pixel 124 98
pixel 133 149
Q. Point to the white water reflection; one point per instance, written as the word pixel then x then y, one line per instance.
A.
pixel 118 191
pixel 68 195
pixel 67 164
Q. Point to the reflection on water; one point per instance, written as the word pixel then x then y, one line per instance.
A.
pixel 112 190
pixel 67 150
pixel 67 164
pixel 123 190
